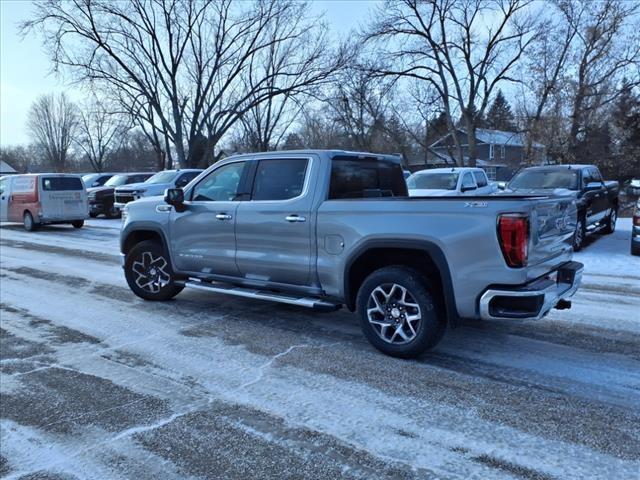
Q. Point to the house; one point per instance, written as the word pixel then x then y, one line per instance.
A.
pixel 6 169
pixel 500 153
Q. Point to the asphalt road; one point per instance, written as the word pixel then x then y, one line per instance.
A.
pixel 96 383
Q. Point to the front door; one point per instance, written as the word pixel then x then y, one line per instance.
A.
pixel 203 235
pixel 274 229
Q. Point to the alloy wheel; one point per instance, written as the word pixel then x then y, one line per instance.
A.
pixel 152 272
pixel 394 313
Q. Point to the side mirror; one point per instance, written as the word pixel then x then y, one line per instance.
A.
pixel 95 184
pixel 591 186
pixel 502 185
pixel 468 187
pixel 175 197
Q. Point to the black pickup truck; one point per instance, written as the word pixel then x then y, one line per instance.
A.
pixel 597 200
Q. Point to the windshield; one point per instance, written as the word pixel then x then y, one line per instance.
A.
pixel 542 179
pixel 162 177
pixel 117 180
pixel 435 181
pixel 90 178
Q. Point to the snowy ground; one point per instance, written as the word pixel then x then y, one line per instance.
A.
pixel 96 383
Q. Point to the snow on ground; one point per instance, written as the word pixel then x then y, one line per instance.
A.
pixel 97 383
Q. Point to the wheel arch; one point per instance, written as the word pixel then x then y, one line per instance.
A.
pixel 134 237
pixel 425 256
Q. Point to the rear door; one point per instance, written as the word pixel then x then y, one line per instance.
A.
pixel 274 228
pixel 203 235
pixel 594 199
pixel 4 198
pixel 62 197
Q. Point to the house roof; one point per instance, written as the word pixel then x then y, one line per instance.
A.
pixel 496 137
pixel 5 168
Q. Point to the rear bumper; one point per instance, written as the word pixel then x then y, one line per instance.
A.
pixel 534 300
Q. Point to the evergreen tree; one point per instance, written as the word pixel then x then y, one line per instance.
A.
pixel 499 116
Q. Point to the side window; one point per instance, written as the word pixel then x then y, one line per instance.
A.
pixel 595 174
pixel 279 179
pixel 481 179
pixel 220 185
pixel 136 179
pixel 467 181
pixel 587 178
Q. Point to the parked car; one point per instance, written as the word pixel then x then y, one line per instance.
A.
pixel 323 229
pixel 635 230
pixel 96 179
pixel 448 182
pixel 102 199
pixel 43 198
pixel 155 185
pixel 597 200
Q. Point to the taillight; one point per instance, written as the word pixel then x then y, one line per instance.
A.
pixel 513 235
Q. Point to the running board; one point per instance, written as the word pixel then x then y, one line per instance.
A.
pixel 308 302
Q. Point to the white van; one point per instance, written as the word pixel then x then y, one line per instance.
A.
pixel 43 198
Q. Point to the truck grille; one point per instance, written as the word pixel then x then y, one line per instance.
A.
pixel 124 197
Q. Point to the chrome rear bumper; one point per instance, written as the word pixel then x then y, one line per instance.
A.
pixel 534 300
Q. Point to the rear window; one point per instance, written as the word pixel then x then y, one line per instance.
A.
pixel 353 177
pixel 433 181
pixel 61 183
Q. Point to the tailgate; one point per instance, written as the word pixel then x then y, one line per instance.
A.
pixel 553 223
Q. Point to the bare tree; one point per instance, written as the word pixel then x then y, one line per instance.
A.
pixel 100 132
pixel 52 121
pixel 360 104
pixel 546 64
pixel 608 49
pixel 186 61
pixel 463 49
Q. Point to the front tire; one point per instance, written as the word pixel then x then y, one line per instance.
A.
pixel 148 272
pixel 399 312
pixel 78 223
pixel 29 223
pixel 579 235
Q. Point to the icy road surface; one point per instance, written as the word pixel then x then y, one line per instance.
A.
pixel 99 384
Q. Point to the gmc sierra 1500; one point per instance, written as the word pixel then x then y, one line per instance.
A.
pixel 323 229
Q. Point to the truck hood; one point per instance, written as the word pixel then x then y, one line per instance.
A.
pixel 432 192
pixel 547 192
pixel 100 191
pixel 149 189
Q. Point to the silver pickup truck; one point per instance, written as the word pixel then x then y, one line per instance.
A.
pixel 325 229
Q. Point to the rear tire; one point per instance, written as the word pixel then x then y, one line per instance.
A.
pixel 77 223
pixel 610 227
pixel 29 223
pixel 148 271
pixel 579 235
pixel 400 312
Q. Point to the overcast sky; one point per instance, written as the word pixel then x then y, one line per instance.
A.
pixel 25 70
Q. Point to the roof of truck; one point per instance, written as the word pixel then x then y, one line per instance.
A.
pixel 573 166
pixel 331 153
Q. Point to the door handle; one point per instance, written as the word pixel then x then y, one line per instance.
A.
pixel 223 216
pixel 295 218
